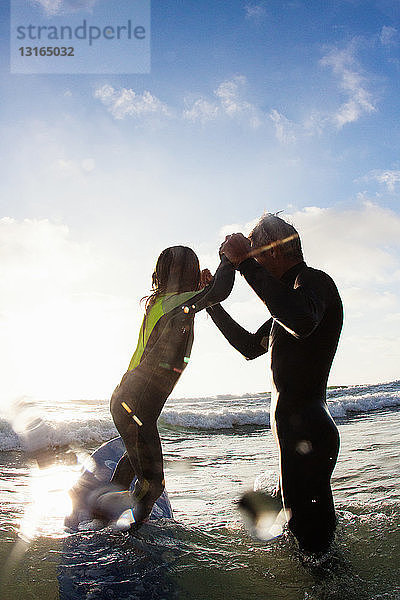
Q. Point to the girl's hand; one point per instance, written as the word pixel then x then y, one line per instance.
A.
pixel 205 277
pixel 236 248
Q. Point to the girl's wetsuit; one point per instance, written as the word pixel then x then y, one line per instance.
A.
pixel 302 335
pixel 163 350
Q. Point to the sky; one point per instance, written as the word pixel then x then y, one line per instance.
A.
pixel 248 106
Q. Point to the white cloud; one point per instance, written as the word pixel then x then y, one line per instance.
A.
pixel 228 102
pixel 284 129
pixel 255 12
pixel 88 165
pixel 74 168
pixel 389 36
pixel 127 103
pixel 55 7
pixel 80 4
pixel 227 230
pixel 25 254
pixel 392 317
pixel 389 178
pixel 202 110
pixel 51 7
pixel 229 94
pixel 361 300
pixel 353 83
pixel 315 123
pixel 358 246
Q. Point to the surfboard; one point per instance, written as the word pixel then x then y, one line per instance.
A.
pixel 108 563
pixel 98 473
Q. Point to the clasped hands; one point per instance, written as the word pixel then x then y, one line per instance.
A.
pixel 236 248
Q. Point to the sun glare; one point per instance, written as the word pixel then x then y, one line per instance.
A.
pixel 50 502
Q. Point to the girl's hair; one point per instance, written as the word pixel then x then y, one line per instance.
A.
pixel 177 270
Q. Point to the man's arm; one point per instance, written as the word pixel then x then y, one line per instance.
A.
pixel 251 345
pixel 298 310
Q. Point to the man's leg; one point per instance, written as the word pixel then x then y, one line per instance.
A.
pixel 307 492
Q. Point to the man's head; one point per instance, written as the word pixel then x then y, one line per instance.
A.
pixel 275 244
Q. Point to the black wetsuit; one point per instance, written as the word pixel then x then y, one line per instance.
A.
pixel 302 335
pixel 137 402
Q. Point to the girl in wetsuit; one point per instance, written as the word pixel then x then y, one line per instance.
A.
pixel 162 353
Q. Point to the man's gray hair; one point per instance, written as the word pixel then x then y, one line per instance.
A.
pixel 272 231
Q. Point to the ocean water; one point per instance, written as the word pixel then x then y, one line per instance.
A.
pixel 215 449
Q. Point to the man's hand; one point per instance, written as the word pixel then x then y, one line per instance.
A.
pixel 236 248
pixel 205 278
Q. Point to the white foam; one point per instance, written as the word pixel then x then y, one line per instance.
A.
pixel 216 419
pixel 89 432
pixel 8 439
pixel 213 413
pixel 361 403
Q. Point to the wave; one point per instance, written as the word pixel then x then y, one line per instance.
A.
pixel 362 403
pixel 342 402
pixel 59 434
pixel 216 419
pixel 211 413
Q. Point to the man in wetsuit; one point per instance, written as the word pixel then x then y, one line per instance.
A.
pixel 302 336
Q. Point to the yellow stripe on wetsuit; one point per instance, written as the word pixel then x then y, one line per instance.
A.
pixel 161 306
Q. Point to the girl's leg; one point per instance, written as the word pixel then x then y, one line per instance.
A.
pixel 123 473
pixel 138 429
pixel 150 483
pixel 127 466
